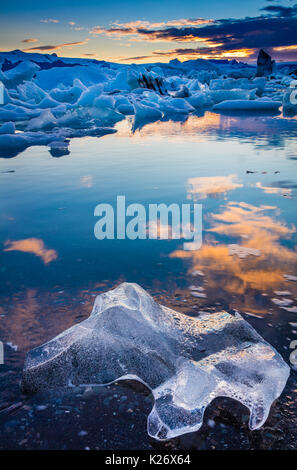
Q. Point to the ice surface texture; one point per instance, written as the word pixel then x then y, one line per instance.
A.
pixel 186 362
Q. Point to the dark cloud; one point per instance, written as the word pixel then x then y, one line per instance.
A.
pixel 285 12
pixel 30 40
pixel 232 34
pixel 57 46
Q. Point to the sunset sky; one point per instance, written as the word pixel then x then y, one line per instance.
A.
pixel 151 31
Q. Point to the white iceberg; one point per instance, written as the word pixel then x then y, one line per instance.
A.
pixel 186 362
pixel 248 105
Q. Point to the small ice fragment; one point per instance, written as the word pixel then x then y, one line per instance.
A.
pixel 242 251
pixel 197 273
pixel 197 288
pixel 252 315
pixel 290 309
pixel 283 302
pixel 290 277
pixel 198 294
pixel 41 407
pixel 248 105
pixel 12 346
pixel 282 292
pixel 82 433
pixel 186 362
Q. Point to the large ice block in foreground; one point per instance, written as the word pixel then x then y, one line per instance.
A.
pixel 186 362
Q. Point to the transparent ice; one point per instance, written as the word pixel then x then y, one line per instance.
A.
pixel 186 362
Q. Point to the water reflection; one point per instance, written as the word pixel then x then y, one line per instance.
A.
pixel 211 186
pixel 263 131
pixel 243 171
pixel 32 245
pixel 240 280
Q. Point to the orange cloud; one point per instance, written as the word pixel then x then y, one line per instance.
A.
pixel 286 48
pixel 143 30
pixel 57 46
pixel 32 245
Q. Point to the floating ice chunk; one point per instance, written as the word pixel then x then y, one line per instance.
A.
pixel 200 295
pixel 290 277
pixel 200 99
pixel 7 128
pixel 194 85
pixel 197 288
pixel 10 112
pixel 242 251
pixel 125 109
pixel 59 148
pixel 218 96
pixel 290 102
pixel 197 273
pixel 282 292
pixel 104 115
pixel 48 102
pixel 30 91
pixel 157 71
pixel 290 309
pixel 186 362
pixel 260 83
pixel 10 144
pixel 23 71
pixel 123 105
pixel 229 83
pixel 282 302
pixel 45 121
pixel 68 95
pixel 183 92
pixel 52 78
pixel 89 95
pixel 143 111
pixel 248 105
pixel 176 106
pixel 76 119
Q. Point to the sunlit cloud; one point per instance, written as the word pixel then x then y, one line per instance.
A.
pixel 35 246
pixel 56 46
pixel 141 28
pixel 220 39
pixel 286 48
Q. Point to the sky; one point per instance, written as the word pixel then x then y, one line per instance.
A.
pixel 151 31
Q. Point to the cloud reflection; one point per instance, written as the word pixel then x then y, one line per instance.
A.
pixel 240 281
pixel 211 186
pixel 32 245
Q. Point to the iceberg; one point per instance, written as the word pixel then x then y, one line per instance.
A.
pixel 248 105
pixel 186 362
pixel 64 93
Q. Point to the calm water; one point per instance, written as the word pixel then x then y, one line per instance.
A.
pixel 241 169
